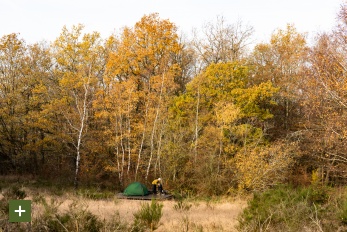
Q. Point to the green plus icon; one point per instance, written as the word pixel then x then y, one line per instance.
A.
pixel 20 211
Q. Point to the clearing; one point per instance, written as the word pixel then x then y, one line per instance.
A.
pixel 190 215
pixel 187 215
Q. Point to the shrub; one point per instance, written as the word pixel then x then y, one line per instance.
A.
pixel 182 206
pixel 313 208
pixel 148 216
pixel 343 214
pixel 15 193
pixel 318 194
pixel 49 218
pixel 12 193
pixel 82 219
pixel 77 218
pixel 116 224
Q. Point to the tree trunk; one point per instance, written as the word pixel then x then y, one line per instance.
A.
pixel 197 126
pixel 83 116
pixel 154 126
pixel 142 141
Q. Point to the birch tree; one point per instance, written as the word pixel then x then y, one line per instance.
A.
pixel 325 105
pixel 78 66
pixel 147 56
pixel 281 61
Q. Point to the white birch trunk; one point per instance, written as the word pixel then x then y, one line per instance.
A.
pixel 197 126
pixel 83 118
pixel 129 132
pixel 122 146
pixel 157 163
pixel 154 127
pixel 142 141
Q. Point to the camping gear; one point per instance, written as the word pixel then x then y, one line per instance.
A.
pixel 136 189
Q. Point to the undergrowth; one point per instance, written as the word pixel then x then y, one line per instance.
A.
pixel 95 194
pixel 49 218
pixel 284 208
pixel 148 216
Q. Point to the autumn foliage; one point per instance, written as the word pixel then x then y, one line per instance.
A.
pixel 205 115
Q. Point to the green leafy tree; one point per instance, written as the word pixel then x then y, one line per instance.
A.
pixel 224 116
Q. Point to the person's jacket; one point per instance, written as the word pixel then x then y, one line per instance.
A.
pixel 156 182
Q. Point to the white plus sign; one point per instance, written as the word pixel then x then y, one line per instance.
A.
pixel 20 211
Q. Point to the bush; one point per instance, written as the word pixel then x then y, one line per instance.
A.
pixel 148 216
pixel 343 214
pixel 116 224
pixel 182 206
pixel 77 218
pixel 15 193
pixel 284 208
pixel 271 208
pixel 12 193
pixel 50 218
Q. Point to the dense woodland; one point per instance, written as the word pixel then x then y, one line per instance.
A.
pixel 208 114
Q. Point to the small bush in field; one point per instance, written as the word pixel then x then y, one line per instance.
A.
pixel 49 218
pixel 182 206
pixel 11 193
pixel 116 224
pixel 284 208
pixel 317 194
pixel 90 222
pixel 15 193
pixel 148 216
pixel 81 219
pixel 343 214
pixel 77 218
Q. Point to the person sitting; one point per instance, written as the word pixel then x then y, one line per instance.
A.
pixel 155 183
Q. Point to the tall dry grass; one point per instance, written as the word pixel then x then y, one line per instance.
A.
pixel 116 213
pixel 220 216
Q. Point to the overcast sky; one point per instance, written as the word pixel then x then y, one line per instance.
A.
pixel 38 20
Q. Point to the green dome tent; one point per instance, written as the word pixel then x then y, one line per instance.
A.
pixel 136 189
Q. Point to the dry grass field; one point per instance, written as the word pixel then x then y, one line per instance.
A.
pixel 218 215
pixel 48 203
pixel 283 208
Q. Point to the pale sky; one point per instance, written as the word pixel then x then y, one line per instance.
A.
pixel 38 20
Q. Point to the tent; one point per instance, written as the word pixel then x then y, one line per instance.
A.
pixel 136 189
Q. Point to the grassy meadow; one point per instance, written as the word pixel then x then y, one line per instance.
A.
pixel 64 209
pixel 282 208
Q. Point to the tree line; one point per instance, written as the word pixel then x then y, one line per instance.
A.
pixel 206 114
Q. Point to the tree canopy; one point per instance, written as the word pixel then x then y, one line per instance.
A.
pixel 206 114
